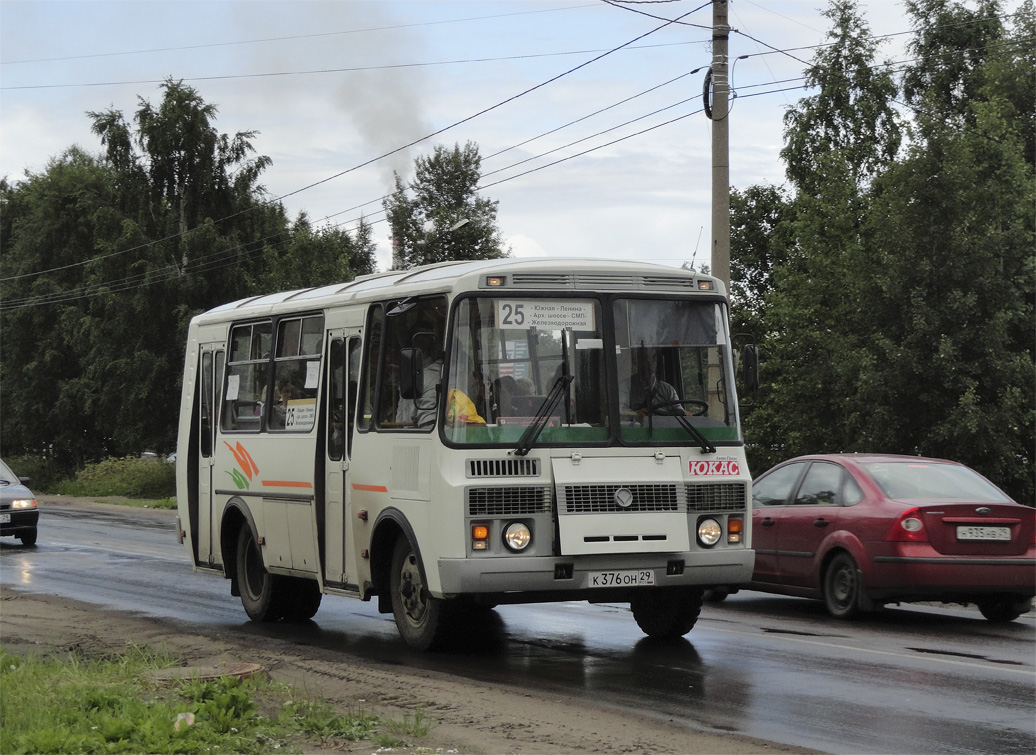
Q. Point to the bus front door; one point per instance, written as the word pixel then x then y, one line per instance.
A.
pixel 211 359
pixel 343 365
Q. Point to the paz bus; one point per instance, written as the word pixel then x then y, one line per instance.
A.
pixel 468 434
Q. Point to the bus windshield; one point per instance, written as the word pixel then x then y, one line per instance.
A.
pixel 646 371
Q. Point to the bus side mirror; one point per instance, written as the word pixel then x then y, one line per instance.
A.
pixel 411 374
pixel 750 358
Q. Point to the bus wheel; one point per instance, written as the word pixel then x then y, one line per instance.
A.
pixel 262 594
pixel 667 614
pixel 418 615
pixel 303 599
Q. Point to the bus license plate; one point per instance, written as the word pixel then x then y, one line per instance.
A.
pixel 983 533
pixel 627 578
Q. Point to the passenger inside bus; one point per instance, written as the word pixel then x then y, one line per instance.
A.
pixel 420 411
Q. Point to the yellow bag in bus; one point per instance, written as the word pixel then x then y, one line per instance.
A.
pixel 460 408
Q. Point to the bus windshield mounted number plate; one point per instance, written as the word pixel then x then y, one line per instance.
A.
pixel 625 578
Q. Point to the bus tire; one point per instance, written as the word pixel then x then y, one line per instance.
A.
pixel 263 595
pixel 419 617
pixel 303 600
pixel 667 614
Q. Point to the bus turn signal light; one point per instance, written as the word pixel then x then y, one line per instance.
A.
pixel 479 537
pixel 734 529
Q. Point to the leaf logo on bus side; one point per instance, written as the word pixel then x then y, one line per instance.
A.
pixel 247 464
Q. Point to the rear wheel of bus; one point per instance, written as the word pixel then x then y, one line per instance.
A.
pixel 667 614
pixel 262 593
pixel 421 618
pixel 271 597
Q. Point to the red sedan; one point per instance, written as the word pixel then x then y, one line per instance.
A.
pixel 858 531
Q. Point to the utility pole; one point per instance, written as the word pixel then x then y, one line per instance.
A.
pixel 720 144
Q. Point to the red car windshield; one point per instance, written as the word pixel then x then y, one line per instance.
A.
pixel 908 480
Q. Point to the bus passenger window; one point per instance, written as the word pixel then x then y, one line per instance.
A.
pixel 244 394
pixel 296 373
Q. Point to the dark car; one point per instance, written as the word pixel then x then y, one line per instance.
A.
pixel 19 513
pixel 859 531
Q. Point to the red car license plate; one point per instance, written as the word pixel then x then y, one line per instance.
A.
pixel 969 532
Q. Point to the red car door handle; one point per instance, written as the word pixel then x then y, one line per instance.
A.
pixel 768 522
pixel 821 522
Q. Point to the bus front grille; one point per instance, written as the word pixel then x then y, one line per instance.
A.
pixel 508 501
pixel 717 496
pixel 597 499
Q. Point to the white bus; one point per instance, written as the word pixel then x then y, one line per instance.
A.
pixel 468 434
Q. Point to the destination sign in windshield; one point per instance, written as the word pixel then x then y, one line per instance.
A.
pixel 544 314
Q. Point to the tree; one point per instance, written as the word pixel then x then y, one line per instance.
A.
pixel 51 221
pixel 315 257
pixel 809 273
pixel 849 126
pixel 953 224
pixel 895 290
pixel 759 221
pixel 446 219
pixel 106 259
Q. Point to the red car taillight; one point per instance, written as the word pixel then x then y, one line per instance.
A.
pixel 908 528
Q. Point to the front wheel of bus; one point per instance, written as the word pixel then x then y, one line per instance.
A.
pixel 418 615
pixel 667 614
pixel 261 593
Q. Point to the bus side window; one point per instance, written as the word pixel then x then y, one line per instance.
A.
pixel 296 373
pixel 351 390
pixel 336 404
pixel 371 367
pixel 414 342
pixel 245 393
pixel 207 409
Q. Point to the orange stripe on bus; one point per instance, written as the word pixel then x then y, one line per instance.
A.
pixel 287 484
pixel 370 488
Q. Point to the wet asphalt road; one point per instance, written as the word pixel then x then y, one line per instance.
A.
pixel 909 680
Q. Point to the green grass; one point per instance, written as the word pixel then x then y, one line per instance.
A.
pixel 114 705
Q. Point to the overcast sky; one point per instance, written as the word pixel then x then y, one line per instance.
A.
pixel 329 86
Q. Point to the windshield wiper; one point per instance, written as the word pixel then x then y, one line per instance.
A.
pixel 694 432
pixel 543 415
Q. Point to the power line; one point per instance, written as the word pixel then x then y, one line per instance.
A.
pixel 295 37
pixel 131 280
pixel 374 159
pixel 320 71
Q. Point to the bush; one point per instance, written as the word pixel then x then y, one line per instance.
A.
pixel 129 477
pixel 44 474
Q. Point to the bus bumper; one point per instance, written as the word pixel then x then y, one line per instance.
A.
pixel 588 574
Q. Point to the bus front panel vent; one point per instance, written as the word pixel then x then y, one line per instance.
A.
pixel 503 468
pixel 667 283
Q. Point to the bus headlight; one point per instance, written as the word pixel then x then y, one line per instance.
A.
pixel 517 536
pixel 709 532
